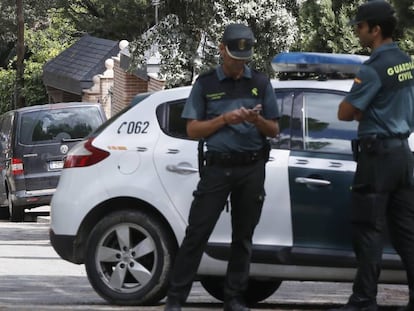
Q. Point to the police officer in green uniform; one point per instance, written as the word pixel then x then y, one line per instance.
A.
pixel 233 109
pixel 382 100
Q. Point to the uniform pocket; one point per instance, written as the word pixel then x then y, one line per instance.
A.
pixel 369 208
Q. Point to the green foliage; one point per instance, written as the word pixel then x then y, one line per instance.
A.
pixel 324 27
pixel 34 91
pixel 123 19
pixel 7 78
pixel 35 11
pixel 187 42
pixel 43 42
pixel 273 25
pixel 50 38
pixel 405 13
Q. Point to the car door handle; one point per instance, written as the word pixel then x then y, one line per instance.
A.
pixel 312 181
pixel 183 168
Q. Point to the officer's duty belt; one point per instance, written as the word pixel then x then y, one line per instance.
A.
pixel 229 159
pixel 373 143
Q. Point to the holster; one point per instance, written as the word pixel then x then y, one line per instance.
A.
pixel 201 156
pixel 266 150
pixel 355 149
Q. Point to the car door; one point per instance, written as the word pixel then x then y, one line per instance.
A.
pixel 321 168
pixel 175 157
pixel 176 162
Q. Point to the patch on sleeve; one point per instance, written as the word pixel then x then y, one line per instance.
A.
pixel 357 80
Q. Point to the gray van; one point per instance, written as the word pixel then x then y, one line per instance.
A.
pixel 33 143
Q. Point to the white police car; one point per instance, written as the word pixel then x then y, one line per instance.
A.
pixel 122 202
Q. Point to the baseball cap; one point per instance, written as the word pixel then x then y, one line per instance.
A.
pixel 377 10
pixel 239 41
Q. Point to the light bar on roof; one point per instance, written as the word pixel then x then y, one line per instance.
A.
pixel 317 62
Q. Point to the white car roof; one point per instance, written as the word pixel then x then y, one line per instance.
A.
pixel 338 85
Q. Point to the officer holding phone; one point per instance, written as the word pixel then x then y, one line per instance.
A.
pixel 233 109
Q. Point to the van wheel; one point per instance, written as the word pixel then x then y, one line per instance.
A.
pixel 257 290
pixel 128 258
pixel 16 212
pixel 4 213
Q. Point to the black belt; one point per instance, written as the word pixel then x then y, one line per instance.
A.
pixel 374 143
pixel 229 159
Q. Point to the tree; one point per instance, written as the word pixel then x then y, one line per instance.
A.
pixel 33 11
pixel 18 97
pixel 187 39
pixel 405 12
pixel 123 19
pixel 323 27
pixel 43 41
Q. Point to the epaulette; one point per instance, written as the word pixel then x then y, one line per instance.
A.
pixel 207 73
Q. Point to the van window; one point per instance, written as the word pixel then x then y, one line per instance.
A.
pixel 43 126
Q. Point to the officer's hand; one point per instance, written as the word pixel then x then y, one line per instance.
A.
pixel 234 117
pixel 251 115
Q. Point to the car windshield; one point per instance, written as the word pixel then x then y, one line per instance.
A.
pixel 55 125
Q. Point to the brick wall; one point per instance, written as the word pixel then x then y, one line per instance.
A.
pixel 60 96
pixel 155 84
pixel 126 86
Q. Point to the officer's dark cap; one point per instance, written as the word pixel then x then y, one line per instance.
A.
pixel 239 40
pixel 375 10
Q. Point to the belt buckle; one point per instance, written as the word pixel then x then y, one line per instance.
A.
pixel 254 156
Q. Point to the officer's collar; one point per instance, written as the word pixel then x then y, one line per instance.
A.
pixel 384 47
pixel 247 73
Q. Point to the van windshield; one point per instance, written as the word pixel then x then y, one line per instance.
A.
pixel 55 125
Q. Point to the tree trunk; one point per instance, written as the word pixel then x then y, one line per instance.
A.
pixel 19 100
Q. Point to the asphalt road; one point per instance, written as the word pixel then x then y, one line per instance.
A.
pixel 33 277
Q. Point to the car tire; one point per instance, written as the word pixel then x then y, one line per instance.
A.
pixel 128 258
pixel 16 212
pixel 4 213
pixel 257 290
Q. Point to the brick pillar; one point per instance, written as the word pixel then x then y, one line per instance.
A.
pixel 126 86
pixel 155 84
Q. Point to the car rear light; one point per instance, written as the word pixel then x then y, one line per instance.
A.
pixel 84 154
pixel 17 166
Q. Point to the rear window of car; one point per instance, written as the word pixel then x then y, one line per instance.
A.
pixel 55 125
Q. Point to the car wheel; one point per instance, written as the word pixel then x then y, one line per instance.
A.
pixel 256 290
pixel 128 258
pixel 4 213
pixel 16 212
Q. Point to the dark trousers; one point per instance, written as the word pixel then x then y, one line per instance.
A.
pixel 383 194
pixel 245 185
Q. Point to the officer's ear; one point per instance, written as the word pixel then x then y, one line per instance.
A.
pixel 376 30
pixel 222 49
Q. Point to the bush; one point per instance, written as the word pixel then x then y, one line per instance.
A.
pixel 7 83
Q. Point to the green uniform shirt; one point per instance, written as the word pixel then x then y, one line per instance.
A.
pixel 384 90
pixel 214 94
